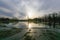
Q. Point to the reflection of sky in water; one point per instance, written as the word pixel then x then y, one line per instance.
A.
pixel 25 25
pixel 33 31
pixel 17 25
pixel 33 25
pixel 28 25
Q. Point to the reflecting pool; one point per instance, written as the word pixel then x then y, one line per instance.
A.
pixel 29 31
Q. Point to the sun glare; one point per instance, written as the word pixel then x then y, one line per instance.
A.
pixel 31 13
pixel 29 26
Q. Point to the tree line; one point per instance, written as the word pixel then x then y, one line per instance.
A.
pixel 51 18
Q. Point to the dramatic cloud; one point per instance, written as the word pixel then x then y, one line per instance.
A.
pixel 21 8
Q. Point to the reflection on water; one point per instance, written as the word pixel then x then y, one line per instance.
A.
pixel 29 31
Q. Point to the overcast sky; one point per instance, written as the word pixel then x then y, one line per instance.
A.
pixel 21 8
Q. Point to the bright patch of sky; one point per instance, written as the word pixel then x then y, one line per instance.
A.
pixel 31 8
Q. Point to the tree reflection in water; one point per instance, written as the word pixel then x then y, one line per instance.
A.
pixel 31 31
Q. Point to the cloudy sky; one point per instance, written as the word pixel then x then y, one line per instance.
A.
pixel 31 8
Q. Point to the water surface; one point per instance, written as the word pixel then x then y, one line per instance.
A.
pixel 29 31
